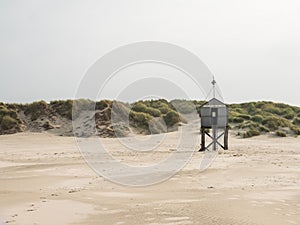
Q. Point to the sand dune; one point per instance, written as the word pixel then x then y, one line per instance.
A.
pixel 44 180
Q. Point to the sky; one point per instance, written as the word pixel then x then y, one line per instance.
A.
pixel 252 47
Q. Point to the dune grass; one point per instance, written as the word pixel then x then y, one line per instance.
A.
pixel 156 116
pixel 265 117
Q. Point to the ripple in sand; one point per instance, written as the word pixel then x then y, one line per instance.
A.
pixel 111 211
pixel 117 194
pixel 177 218
pixel 291 222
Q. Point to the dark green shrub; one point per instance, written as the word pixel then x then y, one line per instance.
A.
pixel 171 118
pixel 296 121
pixel 4 111
pixel 63 108
pixel 280 133
pixel 295 129
pixel 285 122
pixel 248 124
pixel 251 108
pixel 251 133
pixel 37 106
pixel 263 104
pixel 8 122
pixel 161 105
pixel 241 110
pixel 156 103
pixel 36 109
pixel 237 120
pixel 232 115
pixel 141 107
pixel 288 113
pixel 245 116
pixel 257 118
pixel 153 112
pixel 8 111
pixel 140 118
pixel 264 129
pixel 272 109
pixel 274 122
pixel 164 109
pixel 280 105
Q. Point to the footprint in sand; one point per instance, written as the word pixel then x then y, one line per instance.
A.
pixel 30 210
pixel 44 199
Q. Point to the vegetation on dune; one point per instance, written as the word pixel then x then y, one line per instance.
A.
pixel 36 109
pixel 155 116
pixel 152 116
pixel 257 118
pixel 295 129
pixel 9 119
pixel 140 120
pixel 296 121
pixel 8 122
pixel 64 108
pixel 172 118
pixel 250 133
pixel 142 107
pixel 280 133
pixel 4 111
pixel 264 117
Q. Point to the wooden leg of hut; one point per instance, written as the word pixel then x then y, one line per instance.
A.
pixel 214 134
pixel 202 140
pixel 226 139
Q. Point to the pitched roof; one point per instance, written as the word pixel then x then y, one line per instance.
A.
pixel 213 102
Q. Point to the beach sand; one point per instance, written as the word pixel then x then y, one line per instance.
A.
pixel 45 180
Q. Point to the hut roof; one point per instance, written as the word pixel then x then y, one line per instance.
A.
pixel 213 103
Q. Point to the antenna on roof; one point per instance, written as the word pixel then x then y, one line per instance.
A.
pixel 214 87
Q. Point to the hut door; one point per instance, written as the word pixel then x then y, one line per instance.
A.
pixel 214 116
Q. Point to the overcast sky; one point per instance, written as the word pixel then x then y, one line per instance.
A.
pixel 252 47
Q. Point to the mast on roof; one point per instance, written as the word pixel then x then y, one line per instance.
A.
pixel 214 87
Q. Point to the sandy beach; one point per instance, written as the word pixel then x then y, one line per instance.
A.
pixel 141 112
pixel 45 180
